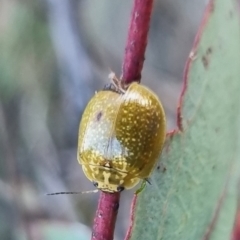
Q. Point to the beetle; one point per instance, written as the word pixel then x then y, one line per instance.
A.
pixel 121 135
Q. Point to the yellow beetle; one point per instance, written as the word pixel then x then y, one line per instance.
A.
pixel 121 135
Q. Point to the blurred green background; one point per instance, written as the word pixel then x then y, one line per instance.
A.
pixel 54 54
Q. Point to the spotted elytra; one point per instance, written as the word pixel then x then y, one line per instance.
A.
pixel 121 135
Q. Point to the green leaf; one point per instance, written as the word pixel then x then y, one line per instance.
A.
pixel 194 186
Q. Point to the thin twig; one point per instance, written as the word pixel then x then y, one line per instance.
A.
pixel 106 215
pixel 137 40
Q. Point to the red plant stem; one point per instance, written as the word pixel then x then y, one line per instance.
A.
pixel 106 215
pixel 236 229
pixel 137 40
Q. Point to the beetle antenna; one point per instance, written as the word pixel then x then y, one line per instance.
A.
pixel 148 180
pixel 61 193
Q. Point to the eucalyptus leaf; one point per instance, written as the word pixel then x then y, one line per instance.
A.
pixel 194 186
